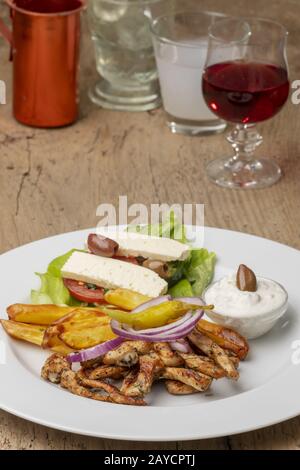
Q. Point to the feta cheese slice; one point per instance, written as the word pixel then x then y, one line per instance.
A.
pixel 154 248
pixel 111 274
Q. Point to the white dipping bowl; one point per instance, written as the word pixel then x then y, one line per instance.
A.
pixel 249 325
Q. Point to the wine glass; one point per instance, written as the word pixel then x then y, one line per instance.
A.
pixel 245 81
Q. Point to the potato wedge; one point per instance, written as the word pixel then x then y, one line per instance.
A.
pixel 80 329
pixel 225 337
pixel 83 317
pixel 57 345
pixel 31 333
pixel 125 299
pixel 37 314
pixel 87 338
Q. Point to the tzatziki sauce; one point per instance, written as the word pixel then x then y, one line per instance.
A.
pixel 229 300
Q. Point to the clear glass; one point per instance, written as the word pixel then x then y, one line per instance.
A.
pixel 180 44
pixel 124 54
pixel 245 82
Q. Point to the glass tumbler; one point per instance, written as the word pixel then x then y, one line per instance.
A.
pixel 180 43
pixel 125 61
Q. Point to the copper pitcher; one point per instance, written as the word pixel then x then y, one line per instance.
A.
pixel 44 42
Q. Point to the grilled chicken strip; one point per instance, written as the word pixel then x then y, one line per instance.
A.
pixel 190 377
pixel 178 388
pixel 113 392
pixel 92 363
pixel 125 355
pixel 167 355
pixel 53 368
pixel 203 364
pixel 142 347
pixel 58 370
pixel 128 347
pixel 106 372
pixel 214 351
pixel 234 359
pixel 149 364
pixel 69 381
pixel 129 379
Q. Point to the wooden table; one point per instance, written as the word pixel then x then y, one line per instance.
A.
pixel 52 182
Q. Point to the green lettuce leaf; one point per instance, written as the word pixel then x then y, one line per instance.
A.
pixel 199 270
pixel 54 268
pixel 52 289
pixel 38 297
pixel 170 227
pixel 183 288
pixel 175 272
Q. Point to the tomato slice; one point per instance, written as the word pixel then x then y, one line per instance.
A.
pixel 82 292
pixel 128 259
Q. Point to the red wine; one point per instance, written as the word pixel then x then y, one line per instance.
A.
pixel 245 92
pixel 48 6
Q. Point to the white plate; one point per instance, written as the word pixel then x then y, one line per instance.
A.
pixel 267 392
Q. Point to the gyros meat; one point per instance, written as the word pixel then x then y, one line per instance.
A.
pixel 139 364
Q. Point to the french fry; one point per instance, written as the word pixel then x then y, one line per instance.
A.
pixel 80 329
pixel 125 298
pixel 37 314
pixel 225 337
pixel 33 334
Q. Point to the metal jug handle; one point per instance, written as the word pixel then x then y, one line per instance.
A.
pixel 7 34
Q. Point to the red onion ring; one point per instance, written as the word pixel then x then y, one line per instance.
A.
pixel 181 345
pixel 154 338
pixel 175 333
pixel 191 300
pixel 95 351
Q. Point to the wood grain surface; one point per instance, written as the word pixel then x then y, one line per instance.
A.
pixel 52 182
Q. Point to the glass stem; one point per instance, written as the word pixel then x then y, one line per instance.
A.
pixel 244 139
